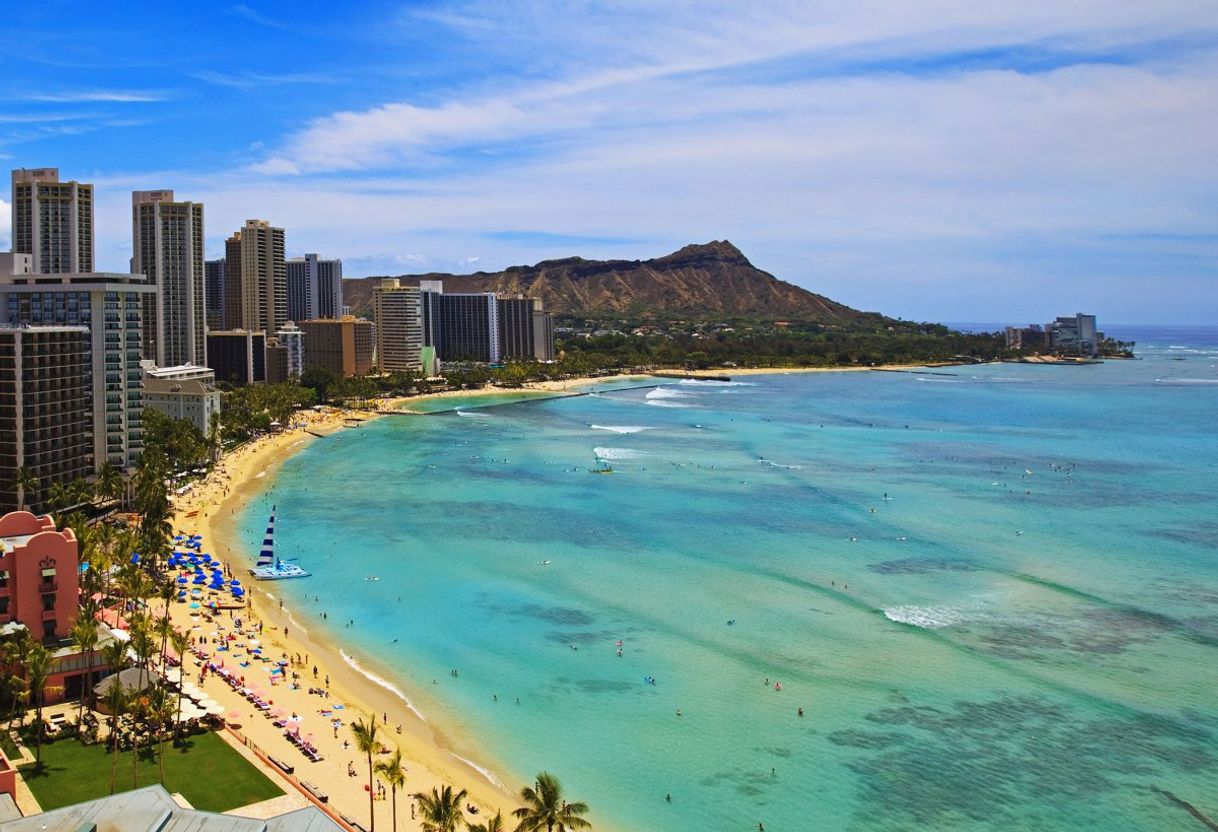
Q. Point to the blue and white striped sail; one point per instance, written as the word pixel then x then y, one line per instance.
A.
pixel 266 557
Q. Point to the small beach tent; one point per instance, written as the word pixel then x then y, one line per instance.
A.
pixel 133 680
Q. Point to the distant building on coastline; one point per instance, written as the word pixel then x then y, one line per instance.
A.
pixel 45 411
pixel 1069 334
pixel 1031 337
pixel 343 346
pixel 238 356
pixel 315 288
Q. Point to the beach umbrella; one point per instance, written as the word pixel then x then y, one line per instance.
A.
pixel 234 714
pixel 194 605
pixel 183 579
pixel 234 582
pixel 179 537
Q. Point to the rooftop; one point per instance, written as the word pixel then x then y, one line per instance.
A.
pixel 151 809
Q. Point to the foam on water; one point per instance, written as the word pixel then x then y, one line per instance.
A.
pixel 928 618
pixel 495 781
pixel 618 453
pixel 385 683
pixel 620 428
pixel 667 393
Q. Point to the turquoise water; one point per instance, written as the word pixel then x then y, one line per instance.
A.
pixel 1024 636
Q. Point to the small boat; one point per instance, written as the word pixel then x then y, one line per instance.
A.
pixel 372 578
pixel 544 562
pixel 602 467
pixel 270 567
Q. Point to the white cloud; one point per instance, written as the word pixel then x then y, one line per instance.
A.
pixel 119 96
pixel 804 131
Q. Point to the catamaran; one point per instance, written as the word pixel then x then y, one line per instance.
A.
pixel 269 566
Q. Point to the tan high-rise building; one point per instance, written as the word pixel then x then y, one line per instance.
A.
pixel 399 327
pixel 53 221
pixel 343 346
pixel 167 247
pixel 255 278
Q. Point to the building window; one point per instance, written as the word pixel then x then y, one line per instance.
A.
pixel 48 629
pixel 4 605
pixel 48 603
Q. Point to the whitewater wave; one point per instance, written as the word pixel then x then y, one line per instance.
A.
pixel 470 415
pixel 617 453
pixel 783 466
pixel 1186 381
pixel 661 403
pixel 667 393
pixel 495 781
pixel 385 683
pixel 620 428
pixel 709 382
pixel 928 618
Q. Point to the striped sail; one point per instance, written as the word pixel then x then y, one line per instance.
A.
pixel 266 557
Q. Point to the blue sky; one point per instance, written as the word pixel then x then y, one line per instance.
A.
pixel 945 160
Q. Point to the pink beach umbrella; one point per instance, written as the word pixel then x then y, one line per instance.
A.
pixel 234 714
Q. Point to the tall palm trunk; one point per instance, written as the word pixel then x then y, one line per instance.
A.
pixel 371 795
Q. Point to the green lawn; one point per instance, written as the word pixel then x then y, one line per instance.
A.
pixel 10 747
pixel 206 770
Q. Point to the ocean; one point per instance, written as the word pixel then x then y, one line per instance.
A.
pixel 992 591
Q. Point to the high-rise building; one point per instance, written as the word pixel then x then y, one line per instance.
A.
pixel 46 425
pixel 343 346
pixel 52 221
pixel 526 331
pixel 291 338
pixel 213 293
pixel 167 247
pixel 468 328
pixel 237 355
pixel 111 306
pixel 255 278
pixel 399 330
pixel 315 288
pixel 1075 334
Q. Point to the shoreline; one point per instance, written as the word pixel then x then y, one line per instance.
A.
pixel 427 756
pixel 358 681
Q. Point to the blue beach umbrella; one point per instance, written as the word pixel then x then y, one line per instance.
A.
pixel 194 605
pixel 234 582
pixel 135 557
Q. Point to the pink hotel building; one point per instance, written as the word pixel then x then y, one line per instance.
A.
pixel 40 589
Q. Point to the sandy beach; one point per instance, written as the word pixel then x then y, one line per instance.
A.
pixel 242 473
pixel 210 510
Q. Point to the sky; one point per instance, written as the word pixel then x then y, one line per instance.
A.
pixel 947 160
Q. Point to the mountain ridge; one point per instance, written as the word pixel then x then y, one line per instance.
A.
pixel 712 279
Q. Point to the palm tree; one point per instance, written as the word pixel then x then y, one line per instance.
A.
pixel 160 710
pixel 181 646
pixel 26 481
pixel 213 436
pixel 38 666
pixel 61 496
pixel 391 772
pixel 494 824
pixel 114 654
pixel 84 636
pixel 367 742
pixel 440 811
pixel 109 482
pixel 544 808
